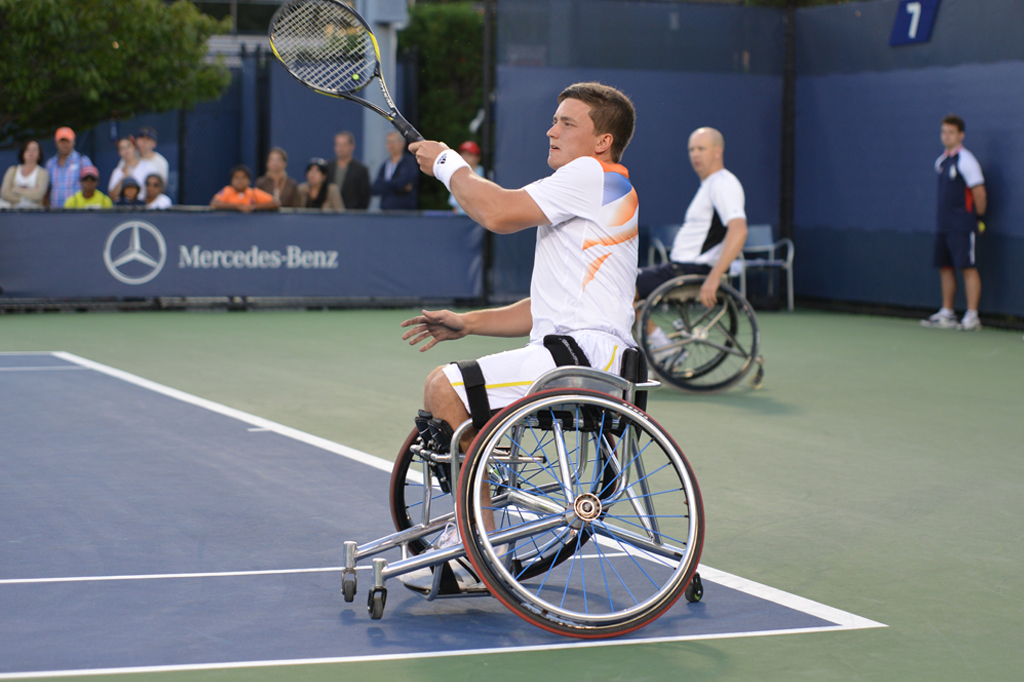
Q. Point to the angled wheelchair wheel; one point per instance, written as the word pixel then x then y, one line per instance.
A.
pixel 710 349
pixel 595 477
pixel 409 493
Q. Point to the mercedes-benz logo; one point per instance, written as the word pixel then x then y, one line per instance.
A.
pixel 149 266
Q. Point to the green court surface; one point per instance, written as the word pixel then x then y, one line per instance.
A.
pixel 880 470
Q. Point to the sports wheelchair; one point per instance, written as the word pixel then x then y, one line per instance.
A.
pixel 711 348
pixel 597 518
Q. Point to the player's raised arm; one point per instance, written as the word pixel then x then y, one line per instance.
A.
pixel 489 205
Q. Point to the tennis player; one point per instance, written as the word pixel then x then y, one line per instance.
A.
pixel 580 306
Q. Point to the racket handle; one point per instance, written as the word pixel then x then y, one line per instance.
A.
pixel 411 134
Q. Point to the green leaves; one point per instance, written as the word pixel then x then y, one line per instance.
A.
pixel 82 62
pixel 448 39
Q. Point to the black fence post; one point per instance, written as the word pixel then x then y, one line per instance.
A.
pixel 788 124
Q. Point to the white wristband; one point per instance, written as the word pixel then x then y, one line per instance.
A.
pixel 445 165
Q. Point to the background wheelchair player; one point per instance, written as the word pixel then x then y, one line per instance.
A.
pixel 698 333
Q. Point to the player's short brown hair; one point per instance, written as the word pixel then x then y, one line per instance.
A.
pixel 610 110
pixel 953 120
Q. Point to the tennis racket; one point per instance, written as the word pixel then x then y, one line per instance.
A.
pixel 329 48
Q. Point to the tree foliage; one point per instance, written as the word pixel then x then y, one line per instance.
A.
pixel 81 62
pixel 448 38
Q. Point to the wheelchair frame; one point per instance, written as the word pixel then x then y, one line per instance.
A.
pixel 620 427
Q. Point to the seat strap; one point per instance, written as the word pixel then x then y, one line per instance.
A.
pixel 565 351
pixel 476 392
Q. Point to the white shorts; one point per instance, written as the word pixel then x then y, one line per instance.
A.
pixel 508 375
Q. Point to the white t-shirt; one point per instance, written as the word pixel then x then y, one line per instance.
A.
pixel 700 238
pixel 162 201
pixel 584 271
pixel 143 169
pixel 160 164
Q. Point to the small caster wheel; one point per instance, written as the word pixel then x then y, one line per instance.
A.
pixel 348 586
pixel 695 590
pixel 378 597
pixel 758 379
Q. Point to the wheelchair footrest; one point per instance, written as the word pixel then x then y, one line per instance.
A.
pixel 444 581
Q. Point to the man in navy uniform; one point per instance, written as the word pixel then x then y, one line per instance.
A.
pixel 962 204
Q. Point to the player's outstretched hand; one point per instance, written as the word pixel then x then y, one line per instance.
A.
pixel 426 151
pixel 437 325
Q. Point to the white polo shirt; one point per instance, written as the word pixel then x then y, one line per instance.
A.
pixel 719 201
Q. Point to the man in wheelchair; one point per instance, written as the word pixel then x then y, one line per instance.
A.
pixel 713 232
pixel 580 306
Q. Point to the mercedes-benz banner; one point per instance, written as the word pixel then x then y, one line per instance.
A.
pixel 97 254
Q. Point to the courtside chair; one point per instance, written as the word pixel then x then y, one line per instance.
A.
pixel 763 251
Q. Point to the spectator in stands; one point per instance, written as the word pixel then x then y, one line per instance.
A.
pixel 398 180
pixel 129 193
pixel 89 196
pixel 316 192
pixel 145 139
pixel 239 196
pixel 962 205
pixel 130 165
pixel 470 152
pixel 155 199
pixel 65 169
pixel 351 176
pixel 713 232
pixel 276 182
pixel 25 184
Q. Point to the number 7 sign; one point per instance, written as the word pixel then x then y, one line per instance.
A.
pixel 914 21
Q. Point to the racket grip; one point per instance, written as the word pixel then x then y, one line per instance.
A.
pixel 408 132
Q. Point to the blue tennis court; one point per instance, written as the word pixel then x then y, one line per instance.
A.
pixel 145 528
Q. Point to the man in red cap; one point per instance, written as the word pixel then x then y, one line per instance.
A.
pixel 89 196
pixel 470 152
pixel 65 169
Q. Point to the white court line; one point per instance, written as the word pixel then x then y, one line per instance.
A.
pixel 223 574
pixel 842 619
pixel 578 644
pixel 167 576
pixel 40 369
pixel 287 431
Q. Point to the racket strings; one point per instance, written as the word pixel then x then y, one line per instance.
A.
pixel 325 46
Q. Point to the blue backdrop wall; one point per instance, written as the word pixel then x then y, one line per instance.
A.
pixel 867 122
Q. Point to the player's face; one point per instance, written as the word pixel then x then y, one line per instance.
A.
pixel 702 153
pixel 571 134
pixel 951 136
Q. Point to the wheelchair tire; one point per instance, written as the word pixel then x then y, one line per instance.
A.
pixel 713 348
pixel 543 464
pixel 406 496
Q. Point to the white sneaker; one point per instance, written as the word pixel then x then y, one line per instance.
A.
pixel 970 324
pixel 449 537
pixel 940 320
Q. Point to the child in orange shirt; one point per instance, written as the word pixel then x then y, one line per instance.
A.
pixel 239 196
